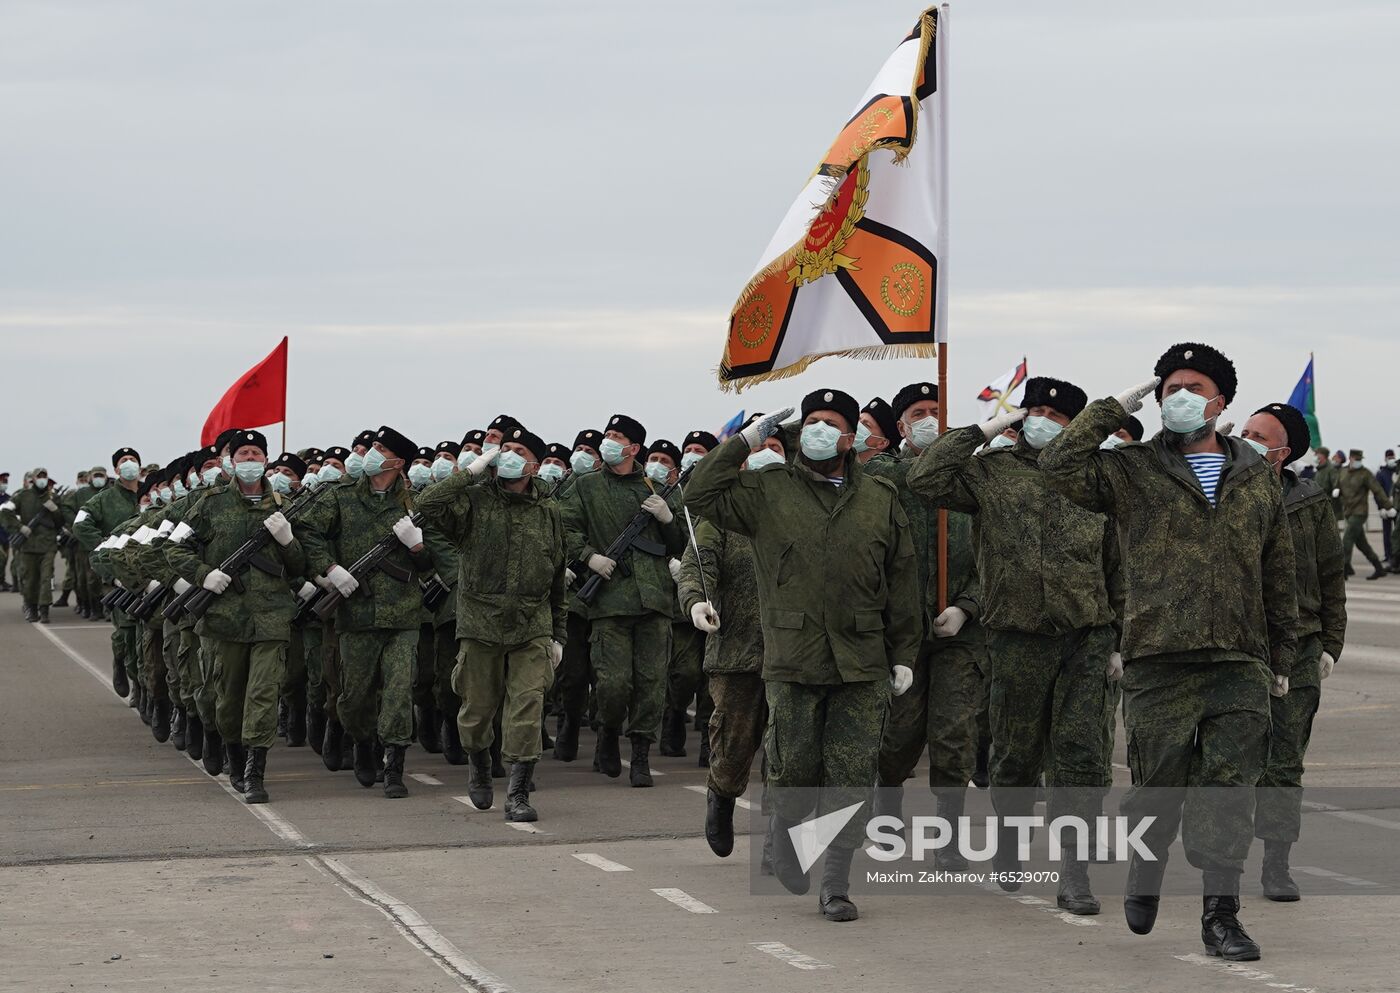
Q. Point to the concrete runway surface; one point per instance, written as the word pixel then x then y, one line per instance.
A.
pixel 124 867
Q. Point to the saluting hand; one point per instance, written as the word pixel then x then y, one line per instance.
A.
pixel 765 427
pixel 998 424
pixel 483 461
pixel 1131 400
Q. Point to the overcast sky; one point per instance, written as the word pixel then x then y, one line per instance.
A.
pixel 459 208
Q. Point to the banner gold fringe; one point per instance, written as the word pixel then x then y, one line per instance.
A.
pixel 869 352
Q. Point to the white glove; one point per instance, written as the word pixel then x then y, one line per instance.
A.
pixel 949 623
pixel 1114 672
pixel 704 616
pixel 675 566
pixel 217 581
pixel 657 507
pixel 569 576
pixel 409 534
pixel 602 565
pixel 323 582
pixel 1280 686
pixel 764 428
pixel 1131 400
pixel 999 423
pixel 556 654
pixel 152 586
pixel 1225 428
pixel 118 584
pixel 340 578
pixel 181 585
pixel 1336 493
pixel 279 527
pixel 1389 513
pixel 1324 665
pixel 26 530
pixel 307 591
pixel 483 461
pixel 50 506
pixel 901 679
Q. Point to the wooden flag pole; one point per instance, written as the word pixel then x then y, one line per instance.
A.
pixel 942 514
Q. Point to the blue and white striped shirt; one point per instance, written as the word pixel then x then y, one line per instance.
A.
pixel 1207 467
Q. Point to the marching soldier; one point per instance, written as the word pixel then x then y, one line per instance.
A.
pixel 70 503
pixel 37 517
pixel 1356 484
pixel 92 525
pixel 576 671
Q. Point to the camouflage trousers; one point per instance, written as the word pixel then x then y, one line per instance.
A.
pixel 1193 725
pixel 376 693
pixel 687 657
pixel 576 671
pixel 126 644
pixel 629 656
pixel 330 670
pixel 247 676
pixel 192 686
pixel 510 679
pixel 735 729
pixel 170 650
pixel 293 688
pixel 1049 696
pixel 425 667
pixel 823 748
pixel 311 647
pixel 34 576
pixel 1278 809
pixel 938 712
pixel 153 661
pixel 445 649
pixel 1354 536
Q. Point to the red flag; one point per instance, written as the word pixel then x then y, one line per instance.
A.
pixel 259 397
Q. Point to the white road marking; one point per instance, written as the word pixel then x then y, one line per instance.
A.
pixel 628 765
pixel 407 921
pixel 425 779
pixel 598 862
pixel 791 956
pixel 1037 903
pixel 67 627
pixel 467 802
pixel 684 900
pixel 525 827
pixel 1240 971
pixel 1313 870
pixel 1351 815
pixel 739 801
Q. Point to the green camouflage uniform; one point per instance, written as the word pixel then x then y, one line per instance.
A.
pixel 1049 625
pixel 1209 609
pixel 838 589
pixel 131 566
pixel 1322 622
pixel 36 555
pixel 1328 479
pixel 1357 485
pixel 576 671
pixel 97 520
pixel 76 574
pixel 630 645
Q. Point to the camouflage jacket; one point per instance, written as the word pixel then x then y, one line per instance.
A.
pixel 837 577
pixel 99 517
pixel 108 561
pixel 509 549
pixel 28 505
pixel 74 499
pixel 964 589
pixel 1329 478
pixel 596 508
pixel 1317 553
pixel 1357 483
pixel 258 605
pixel 1201 583
pixel 727 562
pixel 350 520
pixel 1041 560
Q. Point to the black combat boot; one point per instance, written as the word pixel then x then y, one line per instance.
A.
pixel 428 728
pixel 144 705
pixel 1275 878
pixel 347 752
pixel 950 808
pixel 296 723
pixel 1221 930
pixel 62 600
pixel 237 764
pixel 609 753
pixel 452 749
pixel 120 686
pixel 498 769
pixel 213 751
pixel 479 788
pixel 673 731
pixel 365 764
pixel 160 719
pixel 982 775
pixel 30 614
pixel 566 741
pixel 315 726
pixel 518 807
pixel 253 772
pixel 889 802
pixel 1006 861
pixel 719 823
pixel 394 789
pixel 177 728
pixel 784 857
pixel 194 736
pixel 43 613
pixel 834 895
pixel 332 745
pixel 378 760
pixel 1379 573
pixel 1143 893
pixel 704 761
pixel 640 771
pixel 1074 894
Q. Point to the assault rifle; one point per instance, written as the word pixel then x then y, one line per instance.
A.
pixel 627 540
pixel 325 605
pixel 20 538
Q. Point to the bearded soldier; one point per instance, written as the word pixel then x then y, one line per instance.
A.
pixel 1209 625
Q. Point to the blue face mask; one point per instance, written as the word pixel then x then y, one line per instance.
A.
pixel 689 459
pixel 41 483
pixel 155 497
pixel 280 483
pixel 211 475
pixel 924 432
pixel 1111 442
pixel 98 482
pixel 763 457
pixel 862 436
pixel 355 465
pixel 312 479
pixel 373 463
pixel 583 462
pixel 330 474
pixel 227 463
pixel 1184 412
pixel 129 471
pixel 1040 431
pixel 819 441
pixel 179 489
pixel 442 467
pixel 1001 441
pixel 489 447
pixel 510 465
pixel 658 473
pixel 250 471
pixel 419 475
pixel 551 472
pixel 612 451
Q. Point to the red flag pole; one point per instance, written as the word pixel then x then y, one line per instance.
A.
pixel 942 514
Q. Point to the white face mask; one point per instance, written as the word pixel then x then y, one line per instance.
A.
pixel 689 459
pixel 1001 441
pixel 1111 442
pixel 763 457
pixel 924 432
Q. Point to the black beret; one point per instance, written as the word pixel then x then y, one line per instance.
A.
pixel 1295 425
pixel 336 452
pixel 630 429
pixel 1134 427
pixel 912 394
pixel 365 437
pixel 842 403
pixel 122 453
pixel 396 443
pixel 452 448
pixel 309 455
pixel 523 436
pixel 241 438
pixel 503 423
pixel 703 438
pixel 221 442
pixel 1042 391
pixel 885 417
pixel 424 453
pixel 588 437
pixel 144 487
pixel 176 467
pixel 555 450
pixel 292 461
pixel 475 436
pixel 663 447
pixel 1202 359
pixel 203 455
